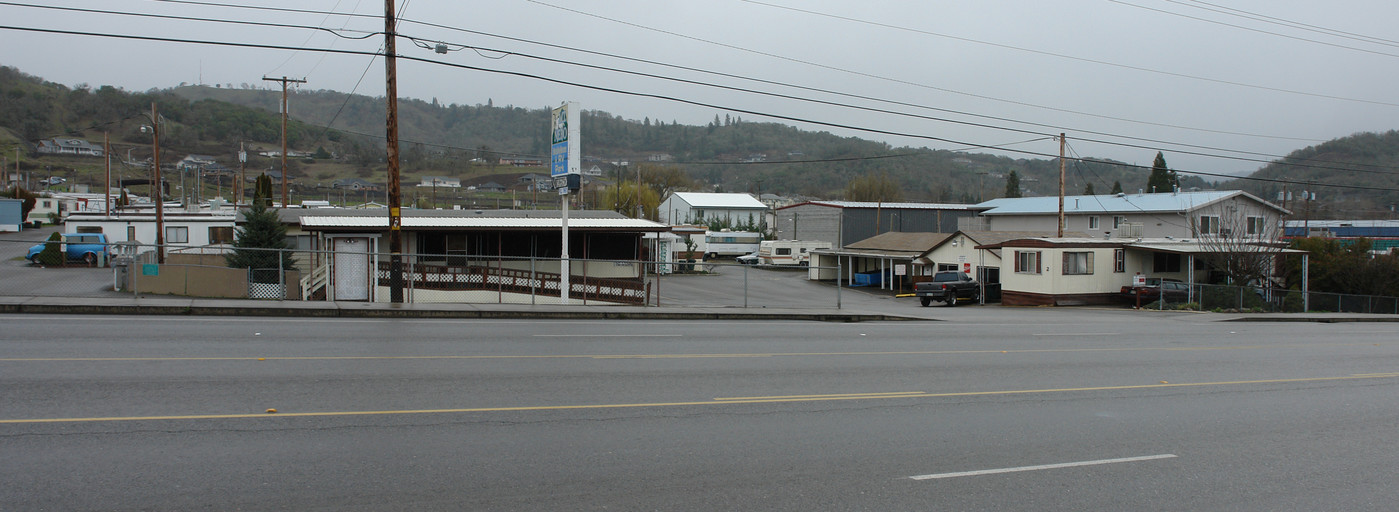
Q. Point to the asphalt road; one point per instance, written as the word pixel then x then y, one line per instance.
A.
pixel 1028 409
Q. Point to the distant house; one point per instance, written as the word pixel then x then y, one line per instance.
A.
pixel 701 207
pixel 491 186
pixel 440 181
pixel 522 162
pixel 193 161
pixel 354 184
pixel 537 181
pixel 57 146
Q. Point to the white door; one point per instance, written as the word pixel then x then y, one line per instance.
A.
pixel 351 264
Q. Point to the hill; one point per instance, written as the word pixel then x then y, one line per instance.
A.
pixel 1362 159
pixel 727 154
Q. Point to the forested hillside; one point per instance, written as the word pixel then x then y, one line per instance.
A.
pixel 1364 159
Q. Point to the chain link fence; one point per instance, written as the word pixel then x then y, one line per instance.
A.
pixel 356 274
pixel 1249 299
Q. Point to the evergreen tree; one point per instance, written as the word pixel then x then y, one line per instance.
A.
pixel 1088 190
pixel 1012 185
pixel 1116 187
pixel 262 191
pixel 52 255
pixel 257 242
pixel 1162 179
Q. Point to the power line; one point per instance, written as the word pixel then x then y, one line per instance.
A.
pixel 1250 29
pixel 365 35
pixel 656 96
pixel 1065 56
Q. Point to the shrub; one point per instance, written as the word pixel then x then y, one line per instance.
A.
pixel 52 255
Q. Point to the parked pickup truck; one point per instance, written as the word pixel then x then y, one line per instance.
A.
pixel 77 246
pixel 947 286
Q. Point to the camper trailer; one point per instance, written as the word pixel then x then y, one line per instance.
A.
pixel 788 252
pixel 730 243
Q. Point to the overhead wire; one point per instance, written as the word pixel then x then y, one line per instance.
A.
pixel 629 93
pixel 1251 29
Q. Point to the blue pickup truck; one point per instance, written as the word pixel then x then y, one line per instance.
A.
pixel 78 246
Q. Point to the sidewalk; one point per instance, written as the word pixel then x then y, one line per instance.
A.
pixel 229 307
pixel 881 312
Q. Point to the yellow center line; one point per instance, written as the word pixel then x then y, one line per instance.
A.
pixel 679 356
pixel 716 401
pixel 859 395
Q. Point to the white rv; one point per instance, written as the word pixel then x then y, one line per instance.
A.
pixel 788 252
pixel 730 243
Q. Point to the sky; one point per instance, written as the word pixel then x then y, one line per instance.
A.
pixel 1218 86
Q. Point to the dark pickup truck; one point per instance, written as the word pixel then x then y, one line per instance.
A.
pixel 947 286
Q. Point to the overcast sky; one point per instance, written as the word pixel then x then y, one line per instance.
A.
pixel 1245 79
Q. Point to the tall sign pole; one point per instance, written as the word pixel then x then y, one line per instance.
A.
pixel 284 80
pixel 564 164
pixel 395 203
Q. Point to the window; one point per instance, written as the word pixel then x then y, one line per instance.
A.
pixel 1078 263
pixel 1165 262
pixel 89 229
pixel 784 251
pixel 1093 222
pixel 1027 262
pixel 176 235
pixel 221 234
pixel 943 267
pixel 1209 225
pixel 1255 225
pixel 1119 260
pixel 1118 221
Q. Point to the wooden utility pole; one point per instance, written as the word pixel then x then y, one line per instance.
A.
pixel 107 183
pixel 159 188
pixel 1061 185
pixel 395 203
pixel 242 173
pixel 284 80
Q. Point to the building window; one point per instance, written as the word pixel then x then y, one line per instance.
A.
pixel 176 235
pixel 221 234
pixel 1078 263
pixel 1119 260
pixel 1118 221
pixel 1255 225
pixel 1209 225
pixel 1165 262
pixel 1093 222
pixel 1027 262
pixel 89 229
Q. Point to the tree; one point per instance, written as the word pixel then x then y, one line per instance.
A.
pixel 1088 190
pixel 52 254
pixel 262 190
pixel 18 192
pixel 1239 241
pixel 1162 178
pixel 1116 187
pixel 1012 185
pixel 258 243
pixel 874 187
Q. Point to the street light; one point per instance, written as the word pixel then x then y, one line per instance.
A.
pixel 154 130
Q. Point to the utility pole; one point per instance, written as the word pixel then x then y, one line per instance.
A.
pixel 107 183
pixel 1061 185
pixel 395 203
pixel 284 80
pixel 159 188
pixel 242 174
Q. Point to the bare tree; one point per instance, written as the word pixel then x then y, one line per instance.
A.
pixel 1240 240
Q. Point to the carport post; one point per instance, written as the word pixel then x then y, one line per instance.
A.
pixel 745 286
pixel 281 275
pixel 838 282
